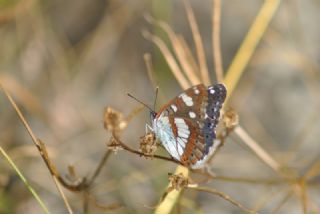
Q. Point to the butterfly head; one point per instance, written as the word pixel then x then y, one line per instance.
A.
pixel 153 115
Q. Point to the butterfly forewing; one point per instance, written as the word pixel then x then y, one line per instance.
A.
pixel 192 117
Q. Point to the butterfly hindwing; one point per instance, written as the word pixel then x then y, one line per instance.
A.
pixel 193 116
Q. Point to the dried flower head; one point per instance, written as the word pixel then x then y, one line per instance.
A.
pixel 230 119
pixel 148 144
pixel 178 181
pixel 114 145
pixel 114 120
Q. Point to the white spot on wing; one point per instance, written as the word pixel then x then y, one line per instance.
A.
pixel 196 91
pixel 180 150
pixel 174 107
pixel 186 99
pixel 212 91
pixel 181 142
pixel 183 134
pixel 192 114
pixel 180 123
pixel 182 128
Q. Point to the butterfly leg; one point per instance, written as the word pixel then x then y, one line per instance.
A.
pixel 148 128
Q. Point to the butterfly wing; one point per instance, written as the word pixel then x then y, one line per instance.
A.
pixel 193 116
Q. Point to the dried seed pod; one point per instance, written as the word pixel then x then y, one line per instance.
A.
pixel 178 181
pixel 114 120
pixel 148 144
pixel 230 119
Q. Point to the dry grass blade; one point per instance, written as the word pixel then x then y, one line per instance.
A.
pixel 188 54
pixel 25 181
pixel 99 167
pixel 222 195
pixel 216 22
pixel 266 199
pixel 182 58
pixel 248 180
pixel 313 171
pixel 199 45
pixel 283 201
pixel 175 69
pixel 260 152
pixel 37 144
pixel 303 196
pixel 249 44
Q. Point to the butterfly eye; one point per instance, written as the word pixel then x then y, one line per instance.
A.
pixel 153 115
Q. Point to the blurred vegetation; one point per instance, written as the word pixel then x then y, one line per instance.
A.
pixel 63 62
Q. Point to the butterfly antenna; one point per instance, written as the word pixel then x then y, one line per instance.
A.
pixel 155 99
pixel 139 101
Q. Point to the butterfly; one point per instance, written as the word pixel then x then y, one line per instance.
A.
pixel 186 125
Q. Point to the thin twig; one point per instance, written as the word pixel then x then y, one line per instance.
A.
pixel 198 43
pixel 256 181
pixel 188 54
pixel 39 145
pixel 25 181
pixel 178 48
pixel 175 69
pixel 216 23
pixel 257 149
pixel 127 148
pixel 99 167
pixel 282 202
pixel 222 195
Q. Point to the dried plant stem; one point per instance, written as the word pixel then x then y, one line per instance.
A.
pixel 283 201
pixel 40 147
pixel 259 151
pixel 99 167
pixel 303 196
pixel 222 195
pixel 248 180
pixel 175 69
pixel 172 197
pixel 313 170
pixel 249 44
pixel 216 23
pixel 199 45
pixel 179 50
pixel 24 180
pixel 129 149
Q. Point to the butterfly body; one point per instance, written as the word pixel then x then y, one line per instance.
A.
pixel 186 125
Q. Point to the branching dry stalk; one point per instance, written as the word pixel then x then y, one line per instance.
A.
pixel 205 78
pixel 81 184
pixel 178 47
pixel 184 83
pixel 221 195
pixel 39 146
pixel 124 146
